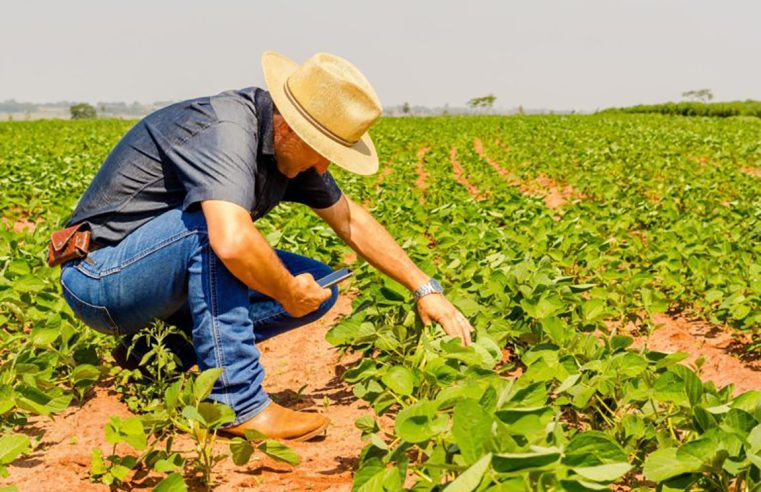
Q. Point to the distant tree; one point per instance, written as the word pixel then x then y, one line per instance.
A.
pixel 701 95
pixel 82 111
pixel 406 108
pixel 485 102
pixel 521 110
pixel 446 110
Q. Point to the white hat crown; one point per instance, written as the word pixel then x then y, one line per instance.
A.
pixel 334 95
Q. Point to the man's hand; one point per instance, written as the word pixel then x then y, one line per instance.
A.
pixel 247 255
pixel 436 307
pixel 306 295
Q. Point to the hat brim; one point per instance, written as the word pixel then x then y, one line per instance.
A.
pixel 360 158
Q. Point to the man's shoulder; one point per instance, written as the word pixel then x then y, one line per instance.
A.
pixel 237 106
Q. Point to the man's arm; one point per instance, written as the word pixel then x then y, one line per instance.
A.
pixel 245 252
pixel 355 226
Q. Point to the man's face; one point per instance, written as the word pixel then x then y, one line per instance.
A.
pixel 293 154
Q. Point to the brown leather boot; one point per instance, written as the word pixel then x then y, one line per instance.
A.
pixel 278 422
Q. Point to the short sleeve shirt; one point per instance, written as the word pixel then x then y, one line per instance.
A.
pixel 210 148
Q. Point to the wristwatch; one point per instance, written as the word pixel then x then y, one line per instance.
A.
pixel 430 287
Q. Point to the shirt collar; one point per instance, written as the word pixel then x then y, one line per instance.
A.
pixel 263 103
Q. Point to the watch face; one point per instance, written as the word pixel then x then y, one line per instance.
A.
pixel 436 285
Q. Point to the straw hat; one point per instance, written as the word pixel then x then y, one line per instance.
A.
pixel 329 104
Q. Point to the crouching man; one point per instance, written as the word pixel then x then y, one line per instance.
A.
pixel 171 221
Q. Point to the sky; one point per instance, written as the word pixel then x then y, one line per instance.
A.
pixel 564 54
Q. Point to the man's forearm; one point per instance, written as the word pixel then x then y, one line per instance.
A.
pixel 255 263
pixel 244 251
pixel 373 242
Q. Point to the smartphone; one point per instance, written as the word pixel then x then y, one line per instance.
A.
pixel 335 277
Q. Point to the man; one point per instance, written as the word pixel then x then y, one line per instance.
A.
pixel 172 209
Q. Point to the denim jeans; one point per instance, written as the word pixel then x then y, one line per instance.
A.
pixel 166 270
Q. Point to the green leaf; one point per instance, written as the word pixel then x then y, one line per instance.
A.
pixel 120 472
pixel 701 450
pixel 97 465
pixel 170 465
pixel 172 483
pixel 204 383
pixel 603 473
pixel 470 478
pixel 193 415
pixel 593 448
pixel 366 424
pixel 279 451
pixel 399 379
pixel 134 433
pixel 85 375
pixel 215 414
pixel 669 387
pixel 664 464
pixel 567 383
pixel 241 450
pixel 11 447
pixel 171 396
pixel 29 283
pixel 42 337
pixel 471 428
pixel 419 422
pixel 593 309
pixel 514 462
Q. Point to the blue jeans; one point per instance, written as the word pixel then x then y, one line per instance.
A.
pixel 166 270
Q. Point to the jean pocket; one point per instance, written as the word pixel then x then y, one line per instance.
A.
pixel 96 317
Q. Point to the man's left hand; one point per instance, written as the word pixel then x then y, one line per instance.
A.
pixel 436 307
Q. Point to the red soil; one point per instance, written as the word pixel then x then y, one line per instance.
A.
pixel 459 176
pixel 702 161
pixel 699 338
pixel 299 358
pixel 20 225
pixel 422 175
pixel 387 169
pixel 479 148
pixel 555 194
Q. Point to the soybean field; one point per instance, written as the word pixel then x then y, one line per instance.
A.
pixel 610 264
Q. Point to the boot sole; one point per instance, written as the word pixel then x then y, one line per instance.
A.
pixel 323 429
pixel 309 435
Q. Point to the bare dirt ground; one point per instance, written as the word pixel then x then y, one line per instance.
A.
pixel 385 170
pixel 554 193
pixel 20 225
pixel 459 176
pixel 753 171
pixel 299 358
pixel 422 175
pixel 716 344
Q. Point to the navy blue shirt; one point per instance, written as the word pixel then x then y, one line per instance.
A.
pixel 210 148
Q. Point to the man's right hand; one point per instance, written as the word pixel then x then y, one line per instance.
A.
pixel 247 255
pixel 305 296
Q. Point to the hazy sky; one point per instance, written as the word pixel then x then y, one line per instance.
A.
pixel 572 54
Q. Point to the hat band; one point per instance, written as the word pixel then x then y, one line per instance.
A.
pixel 313 121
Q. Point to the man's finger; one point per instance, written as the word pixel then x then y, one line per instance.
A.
pixel 467 329
pixel 326 293
pixel 456 329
